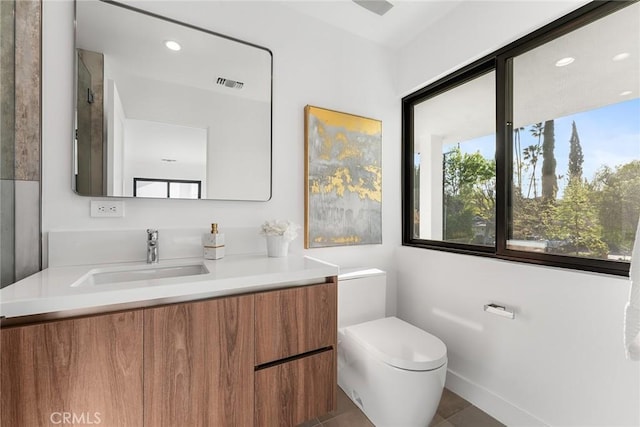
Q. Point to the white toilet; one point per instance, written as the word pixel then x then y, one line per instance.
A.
pixel 393 371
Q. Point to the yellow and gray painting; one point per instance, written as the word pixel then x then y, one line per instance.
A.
pixel 344 179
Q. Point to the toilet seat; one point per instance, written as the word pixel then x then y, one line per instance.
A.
pixel 399 344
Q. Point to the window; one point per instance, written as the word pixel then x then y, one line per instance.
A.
pixel 165 188
pixel 455 169
pixel 533 152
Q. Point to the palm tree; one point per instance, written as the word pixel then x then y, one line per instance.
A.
pixel 531 155
pixel 537 130
pixel 518 153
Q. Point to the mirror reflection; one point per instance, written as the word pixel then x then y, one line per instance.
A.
pixel 167 110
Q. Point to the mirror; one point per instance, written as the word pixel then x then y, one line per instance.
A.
pixel 168 110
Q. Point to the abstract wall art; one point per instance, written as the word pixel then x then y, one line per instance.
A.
pixel 343 179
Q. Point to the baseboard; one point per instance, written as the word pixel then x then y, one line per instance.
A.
pixel 491 403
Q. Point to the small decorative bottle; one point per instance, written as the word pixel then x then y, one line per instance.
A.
pixel 213 243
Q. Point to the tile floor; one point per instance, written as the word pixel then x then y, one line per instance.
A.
pixel 453 411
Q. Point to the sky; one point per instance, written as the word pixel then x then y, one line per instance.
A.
pixel 609 136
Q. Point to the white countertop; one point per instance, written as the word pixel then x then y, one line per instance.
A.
pixel 52 291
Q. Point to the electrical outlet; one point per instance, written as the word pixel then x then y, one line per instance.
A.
pixel 107 209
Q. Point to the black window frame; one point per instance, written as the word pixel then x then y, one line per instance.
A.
pixel 499 61
pixel 168 182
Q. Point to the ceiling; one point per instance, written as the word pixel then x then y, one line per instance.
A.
pixel 400 25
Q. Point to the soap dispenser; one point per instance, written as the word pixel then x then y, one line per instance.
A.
pixel 213 243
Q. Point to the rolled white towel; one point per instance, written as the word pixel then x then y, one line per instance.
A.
pixel 632 308
pixel 632 332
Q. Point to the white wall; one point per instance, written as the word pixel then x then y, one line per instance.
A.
pixel 115 119
pixel 561 361
pixel 147 143
pixel 313 64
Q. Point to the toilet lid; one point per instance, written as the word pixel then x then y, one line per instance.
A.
pixel 400 344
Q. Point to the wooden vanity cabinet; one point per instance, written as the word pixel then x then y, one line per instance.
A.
pixel 296 348
pixel 198 364
pixel 263 359
pixel 77 371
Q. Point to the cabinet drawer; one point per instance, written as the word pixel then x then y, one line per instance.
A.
pixel 290 393
pixel 294 321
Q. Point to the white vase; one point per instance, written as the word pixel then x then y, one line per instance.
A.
pixel 277 246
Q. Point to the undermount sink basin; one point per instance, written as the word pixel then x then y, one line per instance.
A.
pixel 110 276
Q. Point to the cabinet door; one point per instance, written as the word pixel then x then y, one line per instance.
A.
pixel 199 364
pixel 294 321
pixel 78 371
pixel 292 392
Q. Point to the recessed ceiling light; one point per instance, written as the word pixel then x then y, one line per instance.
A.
pixel 564 61
pixel 621 56
pixel 172 45
pixel 625 93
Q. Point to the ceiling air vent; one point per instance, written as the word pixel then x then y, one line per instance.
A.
pixel 229 83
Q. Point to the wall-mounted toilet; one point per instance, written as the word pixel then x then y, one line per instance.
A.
pixel 392 370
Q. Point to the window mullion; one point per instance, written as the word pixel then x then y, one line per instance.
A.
pixel 504 150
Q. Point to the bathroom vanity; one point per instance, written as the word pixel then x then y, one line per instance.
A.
pixel 256 348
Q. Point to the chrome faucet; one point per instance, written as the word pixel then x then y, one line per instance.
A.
pixel 153 255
